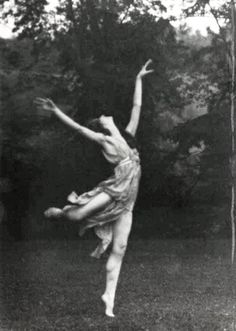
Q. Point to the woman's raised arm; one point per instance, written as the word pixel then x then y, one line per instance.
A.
pixel 49 105
pixel 137 100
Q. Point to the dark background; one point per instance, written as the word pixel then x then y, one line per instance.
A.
pixel 177 272
pixel 85 57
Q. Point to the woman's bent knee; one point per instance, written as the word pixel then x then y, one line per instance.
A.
pixel 73 214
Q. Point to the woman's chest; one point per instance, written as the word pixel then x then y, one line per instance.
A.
pixel 115 150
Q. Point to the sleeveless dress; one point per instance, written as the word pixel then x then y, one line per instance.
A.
pixel 122 187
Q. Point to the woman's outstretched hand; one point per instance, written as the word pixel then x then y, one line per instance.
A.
pixel 45 104
pixel 144 71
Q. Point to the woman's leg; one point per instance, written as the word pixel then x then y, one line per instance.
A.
pixel 121 233
pixel 78 213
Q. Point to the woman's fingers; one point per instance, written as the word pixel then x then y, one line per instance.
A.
pixel 144 70
pixel 51 103
pixel 42 105
pixel 49 100
pixel 39 100
pixel 147 63
pixel 149 71
pixel 43 100
pixel 46 104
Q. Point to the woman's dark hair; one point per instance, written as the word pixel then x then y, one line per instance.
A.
pixel 96 126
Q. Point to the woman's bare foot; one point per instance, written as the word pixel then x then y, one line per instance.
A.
pixel 73 197
pixel 53 212
pixel 109 305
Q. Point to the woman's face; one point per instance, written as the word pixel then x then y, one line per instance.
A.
pixel 106 121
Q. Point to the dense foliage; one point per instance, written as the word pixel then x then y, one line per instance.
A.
pixel 85 55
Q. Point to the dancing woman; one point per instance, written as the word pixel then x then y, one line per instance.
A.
pixel 109 206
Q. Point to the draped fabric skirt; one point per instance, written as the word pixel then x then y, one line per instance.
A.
pixel 122 186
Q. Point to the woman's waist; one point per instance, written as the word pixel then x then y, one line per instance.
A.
pixel 128 159
pixel 124 161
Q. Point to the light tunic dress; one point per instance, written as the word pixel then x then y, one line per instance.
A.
pixel 122 187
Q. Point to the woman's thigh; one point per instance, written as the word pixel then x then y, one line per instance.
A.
pixel 96 204
pixel 122 228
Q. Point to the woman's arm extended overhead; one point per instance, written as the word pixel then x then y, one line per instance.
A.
pixel 48 105
pixel 137 100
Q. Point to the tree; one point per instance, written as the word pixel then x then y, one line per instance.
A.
pixel 29 17
pixel 87 65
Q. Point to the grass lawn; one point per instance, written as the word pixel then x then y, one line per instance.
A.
pixel 164 285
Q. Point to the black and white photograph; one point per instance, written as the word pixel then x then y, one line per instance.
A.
pixel 117 165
